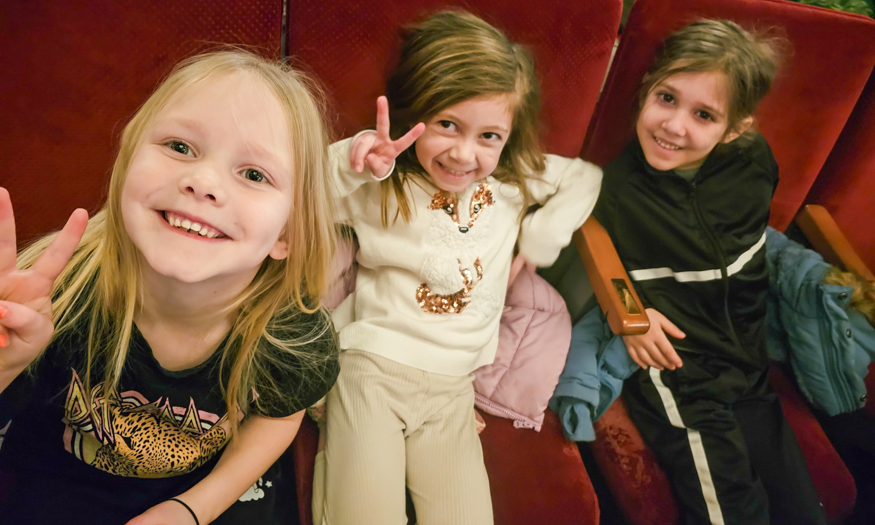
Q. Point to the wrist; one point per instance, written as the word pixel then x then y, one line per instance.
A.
pixel 188 508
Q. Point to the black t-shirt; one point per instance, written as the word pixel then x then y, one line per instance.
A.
pixel 79 458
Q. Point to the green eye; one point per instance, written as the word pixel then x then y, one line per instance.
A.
pixel 179 147
pixel 254 175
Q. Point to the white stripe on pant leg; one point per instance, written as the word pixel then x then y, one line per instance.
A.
pixel 698 449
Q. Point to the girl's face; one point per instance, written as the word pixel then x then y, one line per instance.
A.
pixel 208 192
pixel 683 118
pixel 463 143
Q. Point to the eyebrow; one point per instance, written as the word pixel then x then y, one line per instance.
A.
pixel 706 107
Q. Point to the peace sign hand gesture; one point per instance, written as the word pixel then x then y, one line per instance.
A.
pixel 378 149
pixel 25 295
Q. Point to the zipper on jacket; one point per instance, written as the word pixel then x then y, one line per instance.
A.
pixel 724 273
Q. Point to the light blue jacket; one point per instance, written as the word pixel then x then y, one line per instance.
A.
pixel 595 368
pixel 829 344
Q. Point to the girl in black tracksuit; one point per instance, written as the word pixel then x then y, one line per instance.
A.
pixel 686 205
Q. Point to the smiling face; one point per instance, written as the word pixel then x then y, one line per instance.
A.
pixel 683 118
pixel 208 192
pixel 463 143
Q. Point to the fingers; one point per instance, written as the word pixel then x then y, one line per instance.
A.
pixel 409 138
pixel 28 326
pixel 359 150
pixel 16 317
pixel 383 117
pixel 669 355
pixel 53 260
pixel 7 233
pixel 4 333
pixel 641 357
pixel 670 328
pixel 377 165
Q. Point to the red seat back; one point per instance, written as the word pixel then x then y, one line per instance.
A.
pixel 802 116
pixel 351 46
pixel 846 185
pixel 75 71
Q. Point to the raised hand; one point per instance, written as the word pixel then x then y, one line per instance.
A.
pixel 378 149
pixel 653 348
pixel 25 295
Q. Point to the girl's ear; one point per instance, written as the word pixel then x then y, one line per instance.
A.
pixel 280 250
pixel 738 130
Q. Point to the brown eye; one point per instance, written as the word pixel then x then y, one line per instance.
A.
pixel 448 209
pixel 704 115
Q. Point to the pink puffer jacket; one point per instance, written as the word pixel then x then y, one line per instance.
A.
pixel 533 343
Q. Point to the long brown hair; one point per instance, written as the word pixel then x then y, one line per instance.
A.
pixel 448 58
pixel 101 287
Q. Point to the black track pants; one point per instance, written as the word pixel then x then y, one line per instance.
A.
pixel 721 435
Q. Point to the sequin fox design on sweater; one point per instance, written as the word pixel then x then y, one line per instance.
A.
pixel 454 260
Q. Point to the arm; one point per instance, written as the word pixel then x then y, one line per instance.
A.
pixel 567 191
pixel 25 295
pixel 259 443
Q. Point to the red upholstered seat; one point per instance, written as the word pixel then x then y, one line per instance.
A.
pixel 75 71
pixel 351 46
pixel 846 185
pixel 802 118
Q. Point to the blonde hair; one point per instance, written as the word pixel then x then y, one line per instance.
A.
pixel 451 57
pixel 104 278
pixel 749 62
pixel 863 296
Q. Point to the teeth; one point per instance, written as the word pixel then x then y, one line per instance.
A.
pixel 453 172
pixel 192 227
pixel 666 146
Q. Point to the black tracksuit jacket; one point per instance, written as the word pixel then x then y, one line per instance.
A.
pixel 691 247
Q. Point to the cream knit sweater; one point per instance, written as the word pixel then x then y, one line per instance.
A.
pixel 429 293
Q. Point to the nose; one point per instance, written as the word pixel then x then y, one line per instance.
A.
pixel 203 182
pixel 462 151
pixel 674 124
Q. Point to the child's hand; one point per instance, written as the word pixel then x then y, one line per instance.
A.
pixel 378 149
pixel 164 513
pixel 25 296
pixel 653 348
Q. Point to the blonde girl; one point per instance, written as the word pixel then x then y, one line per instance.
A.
pixel 686 204
pixel 437 238
pixel 156 368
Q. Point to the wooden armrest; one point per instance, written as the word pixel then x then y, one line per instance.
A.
pixel 614 291
pixel 826 238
